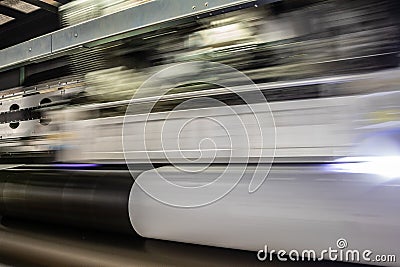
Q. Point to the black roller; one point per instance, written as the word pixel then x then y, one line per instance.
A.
pixel 92 199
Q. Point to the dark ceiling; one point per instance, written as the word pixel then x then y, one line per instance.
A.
pixel 21 20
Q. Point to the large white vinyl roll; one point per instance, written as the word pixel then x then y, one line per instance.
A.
pixel 302 208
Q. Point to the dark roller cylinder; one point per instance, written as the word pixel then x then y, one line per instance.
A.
pixel 87 199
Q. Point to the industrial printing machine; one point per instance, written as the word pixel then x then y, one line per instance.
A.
pixel 295 104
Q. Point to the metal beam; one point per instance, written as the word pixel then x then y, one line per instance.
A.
pixel 11 12
pixel 144 18
pixel 51 6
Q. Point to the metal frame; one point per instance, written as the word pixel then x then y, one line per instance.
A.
pixel 143 18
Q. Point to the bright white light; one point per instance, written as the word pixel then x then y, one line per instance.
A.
pixel 388 166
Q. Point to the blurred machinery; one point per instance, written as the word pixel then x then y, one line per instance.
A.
pixel 288 49
pixel 328 69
